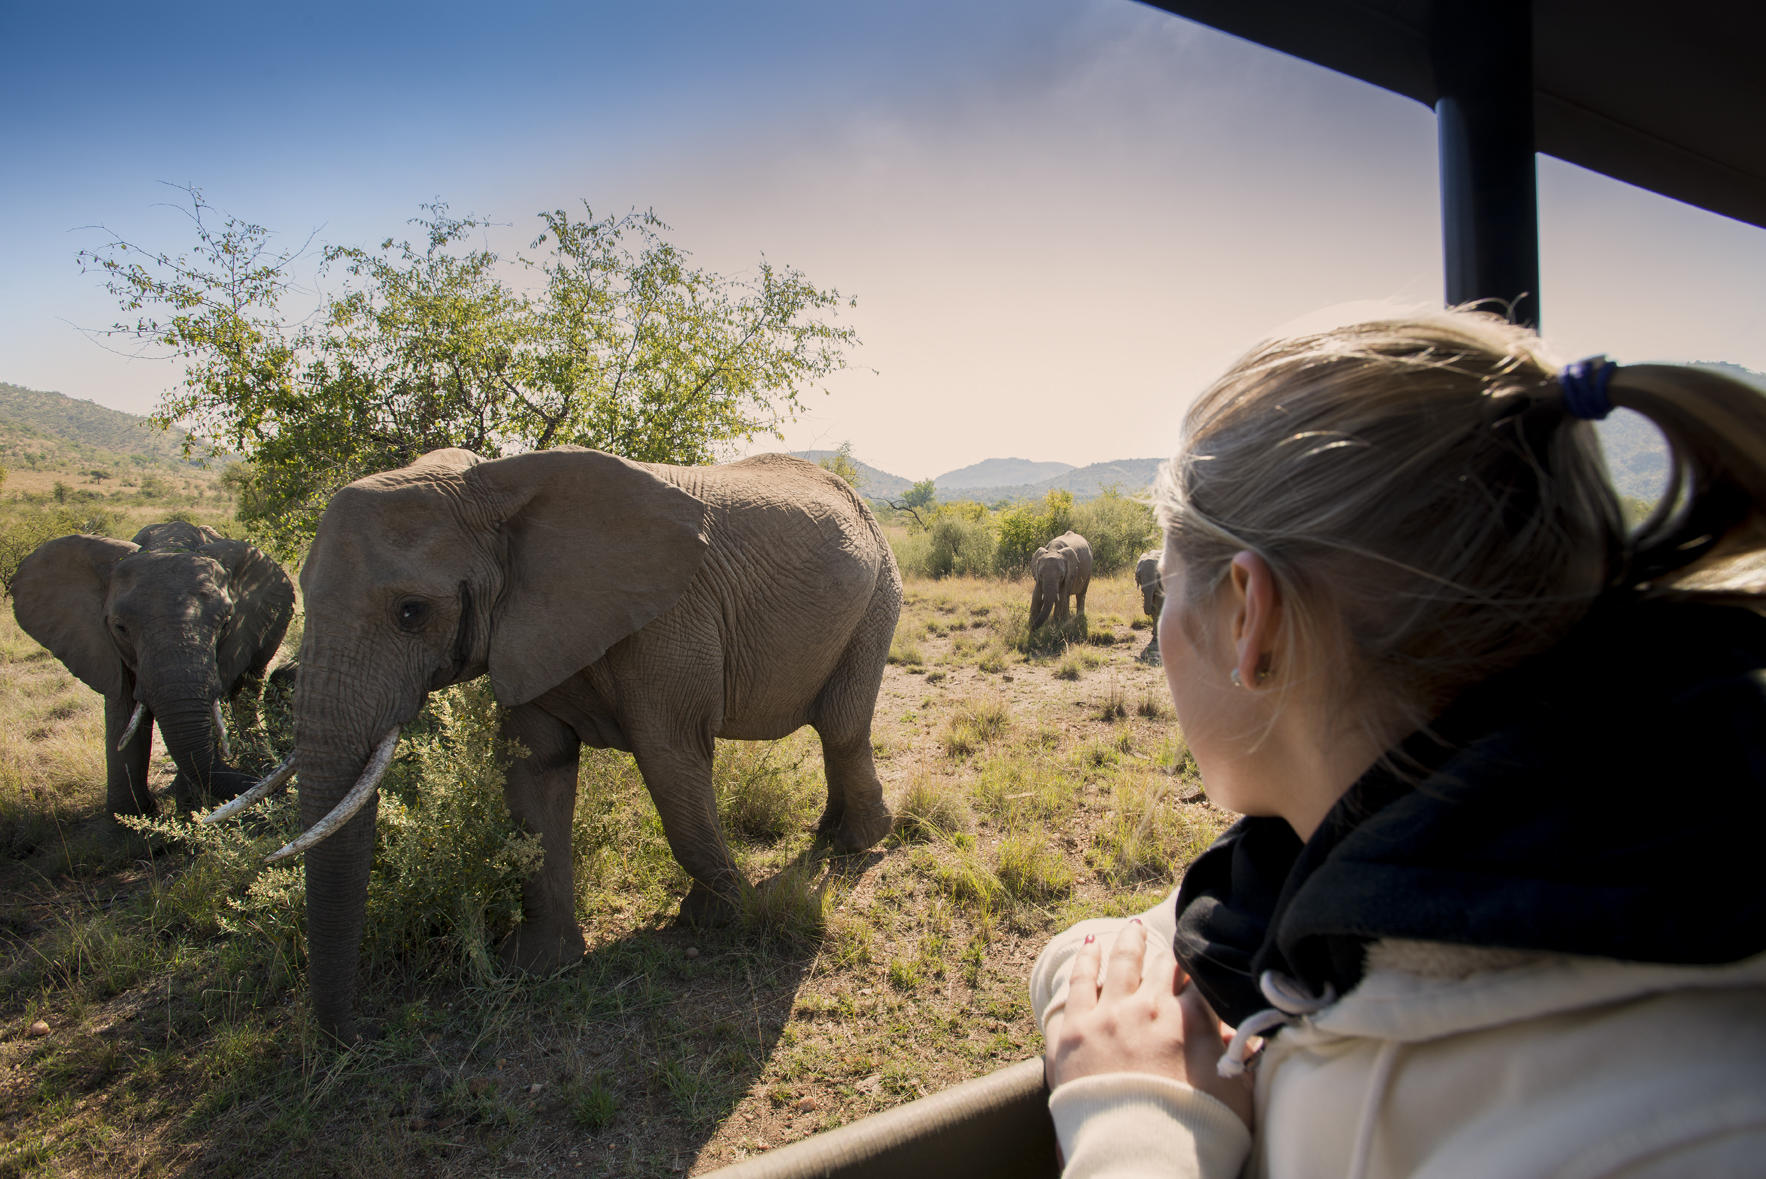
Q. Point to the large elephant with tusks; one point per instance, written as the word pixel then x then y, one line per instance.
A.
pixel 616 604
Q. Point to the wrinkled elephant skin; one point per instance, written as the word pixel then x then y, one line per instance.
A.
pixel 1059 570
pixel 165 627
pixel 623 605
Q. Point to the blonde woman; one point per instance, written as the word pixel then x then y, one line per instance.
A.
pixel 1495 906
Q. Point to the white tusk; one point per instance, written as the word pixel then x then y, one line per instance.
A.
pixel 221 728
pixel 277 777
pixel 134 723
pixel 352 802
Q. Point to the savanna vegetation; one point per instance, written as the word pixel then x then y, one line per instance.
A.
pixel 153 979
pixel 155 983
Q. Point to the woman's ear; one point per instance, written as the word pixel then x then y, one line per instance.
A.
pixel 596 547
pixel 58 597
pixel 1257 617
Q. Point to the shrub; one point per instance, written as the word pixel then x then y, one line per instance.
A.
pixel 26 526
pixel 448 859
pixel 1119 530
pixel 1026 527
pixel 959 542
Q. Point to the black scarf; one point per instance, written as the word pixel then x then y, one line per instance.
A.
pixel 1606 799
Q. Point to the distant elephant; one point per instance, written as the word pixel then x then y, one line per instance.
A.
pixel 165 627
pixel 1152 587
pixel 1059 570
pixel 614 604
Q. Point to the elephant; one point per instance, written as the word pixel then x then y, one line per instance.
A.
pixel 1152 586
pixel 165 627
pixel 636 606
pixel 1059 570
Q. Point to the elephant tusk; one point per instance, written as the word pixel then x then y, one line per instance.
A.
pixel 277 777
pixel 134 723
pixel 221 728
pixel 352 802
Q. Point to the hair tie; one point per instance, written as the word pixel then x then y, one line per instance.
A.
pixel 1585 388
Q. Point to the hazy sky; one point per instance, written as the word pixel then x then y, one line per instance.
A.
pixel 1060 218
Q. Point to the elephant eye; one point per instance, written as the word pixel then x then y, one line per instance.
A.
pixel 118 627
pixel 413 613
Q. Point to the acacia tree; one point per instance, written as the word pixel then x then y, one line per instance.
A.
pixel 605 335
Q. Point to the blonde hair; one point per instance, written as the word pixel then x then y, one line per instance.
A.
pixel 1431 512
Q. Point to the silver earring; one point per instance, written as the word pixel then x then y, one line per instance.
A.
pixel 1237 681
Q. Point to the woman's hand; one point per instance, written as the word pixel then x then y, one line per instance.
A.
pixel 1143 1018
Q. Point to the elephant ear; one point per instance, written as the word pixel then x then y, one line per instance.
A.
pixel 595 548
pixel 263 602
pixel 58 597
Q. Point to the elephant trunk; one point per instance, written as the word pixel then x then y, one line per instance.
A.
pixel 337 893
pixel 188 726
pixel 336 726
pixel 1042 603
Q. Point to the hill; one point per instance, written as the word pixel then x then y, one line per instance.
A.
pixel 1129 476
pixel 873 483
pixel 42 430
pixel 999 472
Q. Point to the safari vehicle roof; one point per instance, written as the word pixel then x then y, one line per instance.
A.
pixel 1667 96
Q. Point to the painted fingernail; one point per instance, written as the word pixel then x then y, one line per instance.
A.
pixel 1090 938
pixel 1134 920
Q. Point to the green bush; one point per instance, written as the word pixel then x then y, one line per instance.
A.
pixel 1026 527
pixel 448 859
pixel 1119 530
pixel 25 526
pixel 958 542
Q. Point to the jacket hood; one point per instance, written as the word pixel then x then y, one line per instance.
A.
pixel 1604 800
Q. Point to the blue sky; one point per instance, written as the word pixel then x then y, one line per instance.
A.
pixel 1060 218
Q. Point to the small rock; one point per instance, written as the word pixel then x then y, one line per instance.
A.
pixel 38 1029
pixel 692 951
pixel 806 1104
pixel 870 1084
pixel 536 1086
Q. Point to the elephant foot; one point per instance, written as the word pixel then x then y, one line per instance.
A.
pixel 533 949
pixel 862 827
pixel 705 908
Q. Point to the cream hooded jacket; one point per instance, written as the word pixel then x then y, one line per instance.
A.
pixel 1449 1062
pixel 1539 949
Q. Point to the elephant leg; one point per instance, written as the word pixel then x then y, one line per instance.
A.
pixel 125 785
pixel 541 792
pixel 677 772
pixel 1079 599
pixel 856 816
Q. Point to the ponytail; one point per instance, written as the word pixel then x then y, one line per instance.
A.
pixel 1710 517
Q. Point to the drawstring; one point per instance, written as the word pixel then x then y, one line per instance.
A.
pixel 1288 1000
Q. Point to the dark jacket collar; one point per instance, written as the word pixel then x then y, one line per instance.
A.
pixel 1606 799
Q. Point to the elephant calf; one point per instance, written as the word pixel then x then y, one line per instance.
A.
pixel 614 604
pixel 1059 570
pixel 164 627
